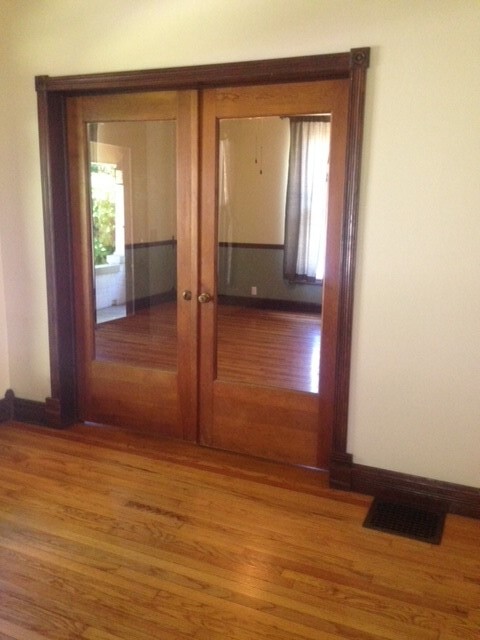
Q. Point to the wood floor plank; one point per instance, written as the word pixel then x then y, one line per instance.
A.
pixel 11 631
pixel 253 344
pixel 106 535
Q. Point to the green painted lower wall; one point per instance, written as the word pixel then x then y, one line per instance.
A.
pixel 241 268
pixel 151 270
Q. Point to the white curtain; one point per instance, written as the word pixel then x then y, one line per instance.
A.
pixel 307 198
pixel 225 221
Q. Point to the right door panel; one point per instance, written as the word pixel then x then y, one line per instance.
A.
pixel 266 384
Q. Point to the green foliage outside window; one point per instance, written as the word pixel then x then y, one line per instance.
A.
pixel 103 214
pixel 103 211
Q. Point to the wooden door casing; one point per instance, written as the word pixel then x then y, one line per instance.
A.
pixel 62 407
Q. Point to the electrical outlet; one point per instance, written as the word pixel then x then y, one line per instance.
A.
pixel 254 291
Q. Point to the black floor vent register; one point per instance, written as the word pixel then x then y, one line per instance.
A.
pixel 408 520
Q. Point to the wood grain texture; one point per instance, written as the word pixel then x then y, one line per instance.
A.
pixel 58 258
pixel 147 338
pixel 106 535
pixel 277 351
pixel 328 97
pixel 124 394
pixel 268 347
pixel 359 62
pixel 271 423
pixel 316 67
pixel 187 259
pixel 256 346
pixel 53 95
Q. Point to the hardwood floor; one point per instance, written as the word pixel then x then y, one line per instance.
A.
pixel 107 535
pixel 146 339
pixel 253 344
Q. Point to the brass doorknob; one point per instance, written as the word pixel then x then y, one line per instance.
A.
pixel 204 297
pixel 187 295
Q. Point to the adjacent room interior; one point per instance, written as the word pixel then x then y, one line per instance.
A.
pixel 262 309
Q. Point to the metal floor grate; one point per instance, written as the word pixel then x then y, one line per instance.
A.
pixel 406 520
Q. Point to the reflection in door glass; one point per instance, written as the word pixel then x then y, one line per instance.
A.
pixel 108 226
pixel 272 218
pixel 132 176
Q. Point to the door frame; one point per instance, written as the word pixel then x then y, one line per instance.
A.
pixel 52 93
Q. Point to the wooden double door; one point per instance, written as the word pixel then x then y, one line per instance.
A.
pixel 177 201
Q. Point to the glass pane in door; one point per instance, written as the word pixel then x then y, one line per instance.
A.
pixel 132 179
pixel 268 315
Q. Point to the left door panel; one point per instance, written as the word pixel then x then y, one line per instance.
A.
pixel 132 171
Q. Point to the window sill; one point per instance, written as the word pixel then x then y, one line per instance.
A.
pixel 105 269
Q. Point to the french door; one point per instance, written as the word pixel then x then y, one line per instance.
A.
pixel 177 202
pixel 137 369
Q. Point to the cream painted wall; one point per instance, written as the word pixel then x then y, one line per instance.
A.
pixel 4 359
pixel 415 401
pixel 150 215
pixel 5 22
pixel 257 169
pixel 161 181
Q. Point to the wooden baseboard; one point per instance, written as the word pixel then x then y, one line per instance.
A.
pixel 270 304
pixel 21 410
pixel 6 406
pixel 341 471
pixel 30 411
pixel 346 475
pixel 150 301
pixel 4 411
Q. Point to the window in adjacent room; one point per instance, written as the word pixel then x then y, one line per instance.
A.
pixel 307 199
